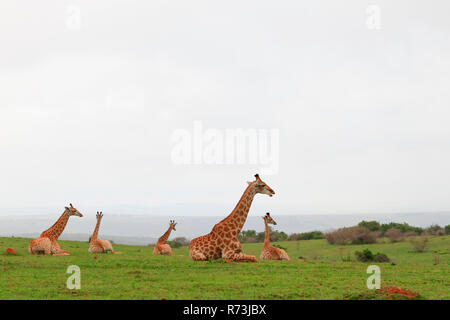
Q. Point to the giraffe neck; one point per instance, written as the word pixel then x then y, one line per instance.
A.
pixel 58 227
pixel 266 238
pixel 97 227
pixel 236 219
pixel 165 236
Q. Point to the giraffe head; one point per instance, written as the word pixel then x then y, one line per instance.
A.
pixel 269 219
pixel 173 224
pixel 261 187
pixel 99 215
pixel 73 211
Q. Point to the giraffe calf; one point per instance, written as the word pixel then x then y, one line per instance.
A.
pixel 269 252
pixel 161 246
pixel 96 245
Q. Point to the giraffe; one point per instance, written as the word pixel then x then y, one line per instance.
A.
pixel 269 252
pixel 222 241
pixel 46 243
pixel 96 245
pixel 162 247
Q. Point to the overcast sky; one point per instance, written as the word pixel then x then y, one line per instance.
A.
pixel 89 102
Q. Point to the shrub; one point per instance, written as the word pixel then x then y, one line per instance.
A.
pixel 251 236
pixel 250 240
pixel 367 256
pixel 447 229
pixel 306 236
pixel 184 241
pixel 435 230
pixel 419 243
pixel 174 244
pixel 352 235
pixel 261 235
pixel 381 257
pixel 245 235
pixel 371 225
pixel 394 235
pixel 403 227
pixel 278 236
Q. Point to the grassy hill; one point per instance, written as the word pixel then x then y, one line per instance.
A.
pixel 137 274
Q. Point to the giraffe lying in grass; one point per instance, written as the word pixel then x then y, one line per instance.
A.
pixel 96 245
pixel 222 241
pixel 161 246
pixel 269 252
pixel 46 243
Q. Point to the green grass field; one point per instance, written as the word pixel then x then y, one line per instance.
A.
pixel 137 274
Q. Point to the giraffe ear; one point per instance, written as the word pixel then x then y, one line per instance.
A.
pixel 67 208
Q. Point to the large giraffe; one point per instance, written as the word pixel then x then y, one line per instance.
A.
pixel 162 247
pixel 222 241
pixel 269 252
pixel 46 243
pixel 96 245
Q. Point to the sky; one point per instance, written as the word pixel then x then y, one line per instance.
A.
pixel 93 94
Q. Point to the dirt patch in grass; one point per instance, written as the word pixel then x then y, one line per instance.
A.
pixel 385 293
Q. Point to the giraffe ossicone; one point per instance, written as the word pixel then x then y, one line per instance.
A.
pixel 161 246
pixel 269 252
pixel 46 243
pixel 222 241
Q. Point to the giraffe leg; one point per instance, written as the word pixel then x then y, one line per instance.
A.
pixel 197 255
pixel 238 257
pixel 56 249
pixel 166 249
pixel 95 249
pixel 283 255
pixel 156 250
pixel 106 246
pixel 96 246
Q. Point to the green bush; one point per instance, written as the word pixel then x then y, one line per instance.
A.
pixel 306 236
pixel 250 236
pixel 352 235
pixel 174 244
pixel 381 257
pixel 435 230
pixel 367 256
pixel 447 229
pixel 394 235
pixel 371 225
pixel 403 227
pixel 419 243
pixel 246 235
